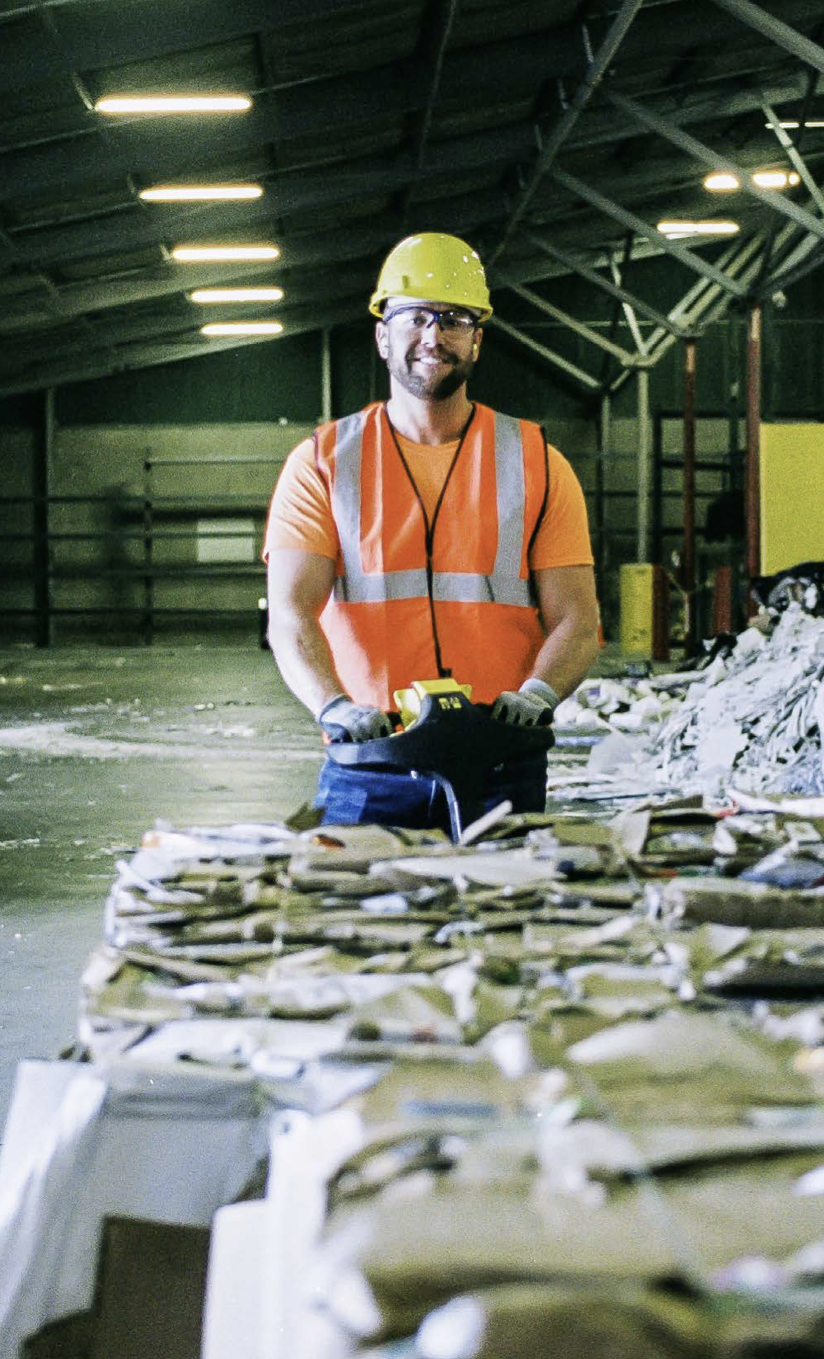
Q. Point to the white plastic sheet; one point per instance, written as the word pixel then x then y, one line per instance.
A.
pixel 85 1143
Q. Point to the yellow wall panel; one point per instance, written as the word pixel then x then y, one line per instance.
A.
pixel 792 495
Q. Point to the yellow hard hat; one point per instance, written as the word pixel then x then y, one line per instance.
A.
pixel 435 268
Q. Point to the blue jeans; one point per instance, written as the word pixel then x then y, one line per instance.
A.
pixel 349 796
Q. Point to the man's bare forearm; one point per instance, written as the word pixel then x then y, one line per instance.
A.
pixel 304 659
pixel 566 656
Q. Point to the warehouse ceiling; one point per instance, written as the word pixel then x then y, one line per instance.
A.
pixel 553 134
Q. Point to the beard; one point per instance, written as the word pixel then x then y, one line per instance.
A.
pixel 436 385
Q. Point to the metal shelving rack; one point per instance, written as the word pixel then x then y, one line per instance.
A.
pixel 149 512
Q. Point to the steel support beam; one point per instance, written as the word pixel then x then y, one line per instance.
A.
pixel 772 200
pixel 571 323
pixel 437 22
pixel 752 472
pixel 776 31
pixel 41 547
pixel 688 551
pixel 557 360
pixel 629 313
pixel 604 451
pixel 576 266
pixel 549 151
pixel 703 298
pixel 642 546
pixel 642 228
pixel 326 375
pixel 808 255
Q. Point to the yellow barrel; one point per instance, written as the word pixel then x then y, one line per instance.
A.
pixel 637 582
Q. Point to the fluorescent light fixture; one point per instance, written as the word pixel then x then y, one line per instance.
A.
pixel 194 193
pixel 237 295
pixel 793 122
pixel 218 328
pixel 177 103
pixel 775 179
pixel 202 254
pixel 721 182
pixel 676 230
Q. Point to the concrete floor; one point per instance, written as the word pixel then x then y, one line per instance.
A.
pixel 96 744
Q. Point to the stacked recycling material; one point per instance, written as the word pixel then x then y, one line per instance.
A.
pixel 755 714
pixel 579 1067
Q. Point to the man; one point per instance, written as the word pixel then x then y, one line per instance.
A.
pixel 424 537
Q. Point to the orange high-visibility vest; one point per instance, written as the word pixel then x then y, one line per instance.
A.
pixel 417 600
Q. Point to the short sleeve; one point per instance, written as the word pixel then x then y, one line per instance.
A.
pixel 300 515
pixel 562 536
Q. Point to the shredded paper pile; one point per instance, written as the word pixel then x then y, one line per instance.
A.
pixel 753 715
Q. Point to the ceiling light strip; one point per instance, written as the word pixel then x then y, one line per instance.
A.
pixel 680 227
pixel 150 103
pixel 224 328
pixel 199 254
pixel 195 193
pixel 206 295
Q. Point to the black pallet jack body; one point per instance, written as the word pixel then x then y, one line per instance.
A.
pixel 453 741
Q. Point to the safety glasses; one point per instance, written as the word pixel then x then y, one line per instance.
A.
pixel 448 321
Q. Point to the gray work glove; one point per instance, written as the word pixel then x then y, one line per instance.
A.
pixel 532 705
pixel 344 720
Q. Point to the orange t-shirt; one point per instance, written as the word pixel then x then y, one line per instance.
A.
pixel 301 515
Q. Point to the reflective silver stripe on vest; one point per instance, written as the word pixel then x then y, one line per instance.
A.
pixel 503 586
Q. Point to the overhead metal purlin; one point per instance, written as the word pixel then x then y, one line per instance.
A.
pixel 557 360
pixel 548 152
pixel 444 15
pixel 697 301
pixel 776 31
pixel 642 228
pixel 66 158
pixel 148 354
pixel 772 200
pixel 606 285
pixel 793 154
pixel 792 267
pixel 571 323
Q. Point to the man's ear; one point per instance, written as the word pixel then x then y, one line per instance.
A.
pixel 382 339
pixel 476 343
